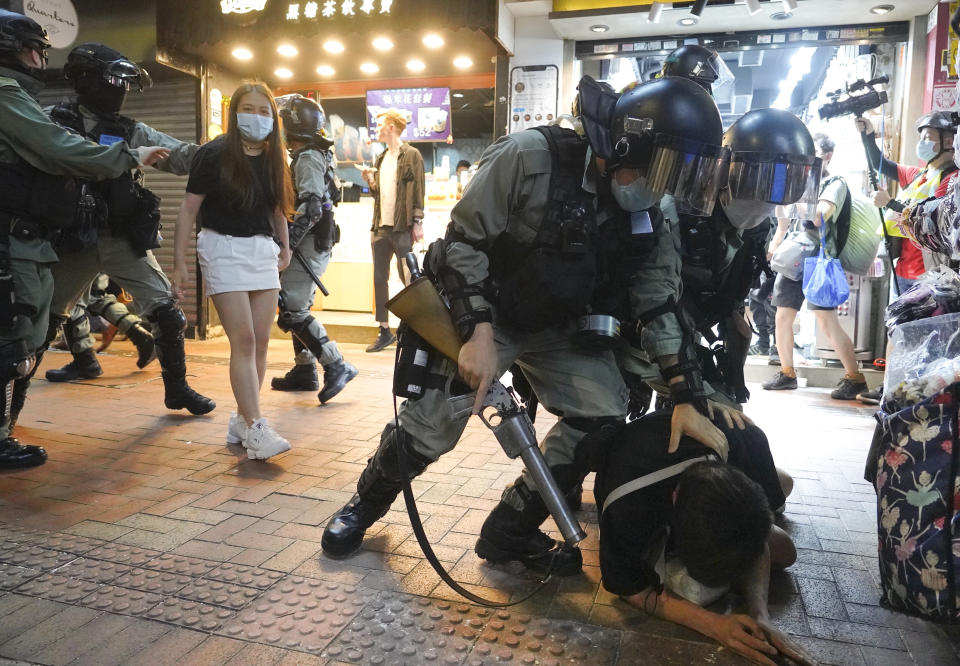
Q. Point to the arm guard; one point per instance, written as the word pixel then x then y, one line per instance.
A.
pixel 690 389
pixel 305 221
pixel 467 302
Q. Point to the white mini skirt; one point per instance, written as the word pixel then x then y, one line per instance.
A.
pixel 237 263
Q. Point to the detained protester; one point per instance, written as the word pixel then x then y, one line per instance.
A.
pixel 549 218
pixel 240 185
pixel 832 221
pixel 117 227
pixel 39 164
pixel 678 530
pixel 312 233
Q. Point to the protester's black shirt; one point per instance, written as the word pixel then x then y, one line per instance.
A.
pixel 217 212
pixel 634 530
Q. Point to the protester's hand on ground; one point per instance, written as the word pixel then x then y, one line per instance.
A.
pixel 732 417
pixel 686 420
pixel 743 635
pixel 478 362
pixel 784 645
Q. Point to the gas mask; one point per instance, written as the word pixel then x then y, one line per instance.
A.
pixel 254 127
pixel 746 213
pixel 634 197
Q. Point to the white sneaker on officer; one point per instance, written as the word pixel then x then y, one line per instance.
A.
pixel 236 429
pixel 263 442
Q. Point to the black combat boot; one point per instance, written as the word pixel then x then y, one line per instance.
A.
pixel 144 341
pixel 510 535
pixel 170 323
pixel 335 377
pixel 299 378
pixel 14 455
pixel 83 366
pixel 379 485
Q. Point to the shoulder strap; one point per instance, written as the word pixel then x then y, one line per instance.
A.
pixel 650 479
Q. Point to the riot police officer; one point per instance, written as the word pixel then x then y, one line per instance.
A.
pixel 118 223
pixel 38 161
pixel 701 65
pixel 548 215
pixel 313 234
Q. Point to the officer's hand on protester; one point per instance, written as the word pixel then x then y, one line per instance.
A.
pixel 150 155
pixel 178 278
pixel 416 231
pixel 283 260
pixel 478 362
pixel 743 635
pixel 784 645
pixel 686 420
pixel 733 417
pixel 881 198
pixel 864 126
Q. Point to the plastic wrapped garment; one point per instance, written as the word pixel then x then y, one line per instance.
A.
pixel 935 223
pixel 924 359
pixel 937 292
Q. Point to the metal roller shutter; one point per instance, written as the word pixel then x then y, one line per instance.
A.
pixel 170 107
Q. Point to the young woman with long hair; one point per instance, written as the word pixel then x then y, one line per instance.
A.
pixel 240 185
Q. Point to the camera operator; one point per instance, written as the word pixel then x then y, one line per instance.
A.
pixel 937 134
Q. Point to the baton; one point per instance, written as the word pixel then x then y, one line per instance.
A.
pixel 310 272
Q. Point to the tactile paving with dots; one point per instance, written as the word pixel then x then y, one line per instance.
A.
pixel 33 557
pixel 516 638
pixel 12 575
pixel 121 600
pixel 190 614
pixel 99 571
pixel 69 543
pixel 219 593
pixel 157 582
pixel 16 534
pixel 181 564
pixel 58 588
pixel 404 629
pixel 239 574
pixel 130 555
pixel 300 614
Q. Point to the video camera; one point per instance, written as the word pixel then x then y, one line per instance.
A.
pixel 855 105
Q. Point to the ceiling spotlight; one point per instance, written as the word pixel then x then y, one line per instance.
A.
pixel 656 11
pixel 688 21
pixel 458 95
pixel 333 46
pixel 287 50
pixel 433 41
pixel 698 7
pixel 416 65
pixel 882 9
pixel 326 70
pixel 789 6
pixel 753 6
pixel 599 28
pixel 369 68
pixel 283 73
pixel 382 44
pixel 241 53
pixel 463 62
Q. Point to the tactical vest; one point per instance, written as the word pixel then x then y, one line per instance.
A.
pixel 325 232
pixel 39 197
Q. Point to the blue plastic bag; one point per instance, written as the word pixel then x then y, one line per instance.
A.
pixel 824 282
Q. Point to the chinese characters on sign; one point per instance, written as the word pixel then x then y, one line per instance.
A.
pixel 241 6
pixel 427 111
pixel 333 8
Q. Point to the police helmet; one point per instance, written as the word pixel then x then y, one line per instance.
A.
pixel 938 120
pixel 701 65
pixel 303 118
pixel 773 161
pixel 102 76
pixel 18 32
pixel 670 131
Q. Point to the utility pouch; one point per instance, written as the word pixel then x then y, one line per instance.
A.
pixel 413 360
pixel 7 300
pixel 143 226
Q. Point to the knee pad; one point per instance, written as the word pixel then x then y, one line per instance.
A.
pixel 170 321
pixel 16 361
pixel 285 321
pixel 53 328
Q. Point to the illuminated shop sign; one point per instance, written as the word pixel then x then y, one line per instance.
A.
pixel 333 8
pixel 241 6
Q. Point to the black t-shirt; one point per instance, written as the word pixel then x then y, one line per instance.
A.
pixel 216 211
pixel 634 530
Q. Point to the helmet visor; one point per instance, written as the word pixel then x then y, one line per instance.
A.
pixel 690 171
pixel 717 73
pixel 783 180
pixel 125 74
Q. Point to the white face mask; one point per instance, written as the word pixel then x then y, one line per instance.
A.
pixel 746 214
pixel 254 127
pixel 926 150
pixel 634 197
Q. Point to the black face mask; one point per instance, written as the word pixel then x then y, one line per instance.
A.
pixel 104 98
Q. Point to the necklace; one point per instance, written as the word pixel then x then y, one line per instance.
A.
pixel 249 149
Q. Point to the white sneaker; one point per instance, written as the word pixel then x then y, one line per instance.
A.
pixel 236 429
pixel 263 442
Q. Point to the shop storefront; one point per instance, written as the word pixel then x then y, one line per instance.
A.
pixel 432 59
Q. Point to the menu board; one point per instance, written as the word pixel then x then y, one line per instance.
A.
pixel 427 111
pixel 533 96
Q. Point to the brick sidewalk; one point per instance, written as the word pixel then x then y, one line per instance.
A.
pixel 145 540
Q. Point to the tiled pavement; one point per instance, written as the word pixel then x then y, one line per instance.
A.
pixel 145 540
